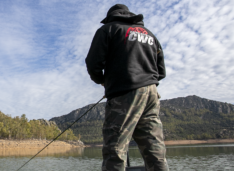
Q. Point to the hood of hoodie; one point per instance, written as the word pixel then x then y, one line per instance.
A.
pixel 120 12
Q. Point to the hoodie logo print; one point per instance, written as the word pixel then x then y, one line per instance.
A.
pixel 140 34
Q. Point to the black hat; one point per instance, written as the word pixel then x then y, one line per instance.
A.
pixel 114 8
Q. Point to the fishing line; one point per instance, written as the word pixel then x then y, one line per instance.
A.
pixel 62 132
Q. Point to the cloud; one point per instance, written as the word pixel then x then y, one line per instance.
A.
pixel 196 38
pixel 43 46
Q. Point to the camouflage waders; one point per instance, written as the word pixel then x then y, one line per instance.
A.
pixel 135 114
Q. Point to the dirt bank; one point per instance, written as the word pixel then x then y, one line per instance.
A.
pixel 29 144
pixel 31 147
pixel 187 142
pixel 17 152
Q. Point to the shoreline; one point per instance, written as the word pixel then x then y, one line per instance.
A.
pixel 183 142
pixel 35 144
pixel 190 142
pixel 31 147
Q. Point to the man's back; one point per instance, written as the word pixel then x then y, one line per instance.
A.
pixel 129 53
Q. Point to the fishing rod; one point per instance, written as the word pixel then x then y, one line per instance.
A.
pixel 62 132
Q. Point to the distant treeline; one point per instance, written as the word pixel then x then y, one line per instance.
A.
pixel 21 128
pixel 89 131
pixel 194 124
pixel 185 124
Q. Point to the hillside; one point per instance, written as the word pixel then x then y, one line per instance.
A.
pixel 183 118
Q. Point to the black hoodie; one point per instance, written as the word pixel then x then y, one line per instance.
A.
pixel 130 55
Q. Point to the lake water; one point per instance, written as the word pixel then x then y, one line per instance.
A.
pixel 217 157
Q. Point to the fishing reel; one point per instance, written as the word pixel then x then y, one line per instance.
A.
pixel 133 168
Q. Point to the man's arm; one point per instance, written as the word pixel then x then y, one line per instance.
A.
pixel 95 60
pixel 160 61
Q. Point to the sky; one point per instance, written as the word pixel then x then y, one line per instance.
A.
pixel 43 46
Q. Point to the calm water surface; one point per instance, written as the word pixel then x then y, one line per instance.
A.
pixel 217 157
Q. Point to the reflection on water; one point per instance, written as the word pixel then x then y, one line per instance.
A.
pixel 201 157
pixel 200 150
pixel 185 158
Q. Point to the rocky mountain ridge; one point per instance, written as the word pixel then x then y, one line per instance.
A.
pixel 176 104
pixel 97 113
pixel 198 103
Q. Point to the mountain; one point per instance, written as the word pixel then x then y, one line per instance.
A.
pixel 198 103
pixel 190 117
pixel 97 113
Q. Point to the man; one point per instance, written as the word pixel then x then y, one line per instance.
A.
pixel 133 64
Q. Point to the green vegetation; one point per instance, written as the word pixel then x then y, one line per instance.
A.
pixel 21 128
pixel 90 132
pixel 186 124
pixel 183 124
pixel 197 124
